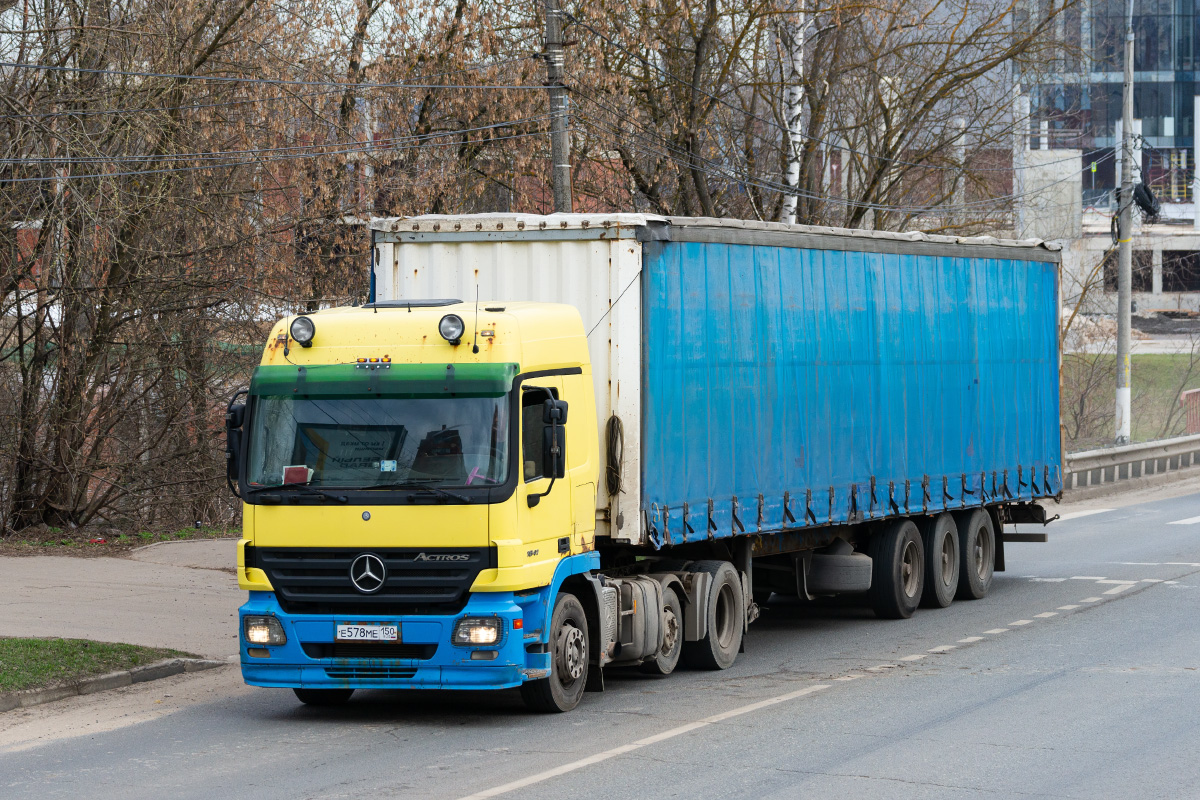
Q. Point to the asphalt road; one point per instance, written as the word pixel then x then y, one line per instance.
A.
pixel 1079 677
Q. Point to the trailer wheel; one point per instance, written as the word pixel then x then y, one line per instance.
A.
pixel 897 577
pixel 726 614
pixel 667 657
pixel 563 689
pixel 977 546
pixel 323 697
pixel 939 535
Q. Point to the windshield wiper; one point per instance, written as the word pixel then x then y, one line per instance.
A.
pixel 419 486
pixel 301 489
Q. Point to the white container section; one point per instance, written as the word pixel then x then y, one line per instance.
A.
pixel 587 261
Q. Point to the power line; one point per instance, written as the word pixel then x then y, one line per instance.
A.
pixel 290 157
pixel 250 101
pixel 719 171
pixel 265 81
pixel 776 123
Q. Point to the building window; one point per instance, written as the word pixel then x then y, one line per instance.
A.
pixel 1181 271
pixel 1143 271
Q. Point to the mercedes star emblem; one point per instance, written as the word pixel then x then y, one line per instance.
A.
pixel 367 573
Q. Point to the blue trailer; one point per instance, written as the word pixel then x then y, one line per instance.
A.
pixel 756 409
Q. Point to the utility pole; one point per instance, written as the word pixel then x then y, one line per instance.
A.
pixel 560 141
pixel 1124 240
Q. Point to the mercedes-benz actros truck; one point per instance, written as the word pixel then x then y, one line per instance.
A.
pixel 548 446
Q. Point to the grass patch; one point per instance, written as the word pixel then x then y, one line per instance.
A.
pixel 34 663
pixel 98 541
pixel 1089 388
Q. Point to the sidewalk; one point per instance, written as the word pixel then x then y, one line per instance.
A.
pixel 182 595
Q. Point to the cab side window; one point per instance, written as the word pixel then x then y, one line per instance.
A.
pixel 533 432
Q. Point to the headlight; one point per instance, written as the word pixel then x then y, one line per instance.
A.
pixel 303 331
pixel 477 631
pixel 263 630
pixel 451 328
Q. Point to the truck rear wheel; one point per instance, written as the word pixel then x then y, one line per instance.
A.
pixel 898 569
pixel 726 615
pixel 939 535
pixel 323 697
pixel 977 545
pixel 563 689
pixel 667 657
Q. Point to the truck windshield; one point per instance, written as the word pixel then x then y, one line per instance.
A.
pixel 379 441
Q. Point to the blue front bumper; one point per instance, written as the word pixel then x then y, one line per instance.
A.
pixel 446 667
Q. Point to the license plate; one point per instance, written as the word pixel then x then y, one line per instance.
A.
pixel 368 633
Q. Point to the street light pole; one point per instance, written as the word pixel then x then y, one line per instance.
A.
pixel 1125 241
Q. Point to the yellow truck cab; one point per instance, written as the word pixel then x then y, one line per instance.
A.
pixel 417 489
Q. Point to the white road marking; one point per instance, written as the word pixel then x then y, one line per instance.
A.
pixel 1021 622
pixel 1088 577
pixel 1067 608
pixel 1121 588
pixel 1048 580
pixel 1128 583
pixel 1171 582
pixel 916 657
pixel 1152 580
pixel 1188 521
pixel 640 743
pixel 970 639
pixel 994 631
pixel 942 648
pixel 1138 563
pixel 848 678
pixel 1091 599
pixel 1046 614
pixel 1079 514
pixel 882 667
pixel 1182 564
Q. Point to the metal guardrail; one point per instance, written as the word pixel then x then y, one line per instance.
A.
pixel 1111 464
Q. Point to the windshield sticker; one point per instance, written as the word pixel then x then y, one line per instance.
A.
pixel 387 466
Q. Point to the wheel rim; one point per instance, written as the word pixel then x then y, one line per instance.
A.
pixel 725 618
pixel 910 569
pixel 570 653
pixel 949 559
pixel 670 631
pixel 983 552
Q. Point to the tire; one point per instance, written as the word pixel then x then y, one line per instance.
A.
pixel 939 535
pixel 897 575
pixel 667 657
pixel 323 697
pixel 838 573
pixel 569 653
pixel 977 553
pixel 726 615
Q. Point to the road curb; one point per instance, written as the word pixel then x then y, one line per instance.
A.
pixel 112 680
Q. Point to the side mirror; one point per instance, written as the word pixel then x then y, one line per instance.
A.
pixel 554 412
pixel 554 445
pixel 234 418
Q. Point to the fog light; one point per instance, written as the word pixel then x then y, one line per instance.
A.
pixel 451 328
pixel 476 631
pixel 303 331
pixel 263 630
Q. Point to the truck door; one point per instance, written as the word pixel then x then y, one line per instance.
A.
pixel 542 526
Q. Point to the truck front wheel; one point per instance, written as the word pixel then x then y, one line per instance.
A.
pixel 563 689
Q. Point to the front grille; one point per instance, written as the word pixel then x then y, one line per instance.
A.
pixel 316 580
pixel 369 673
pixel 369 650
